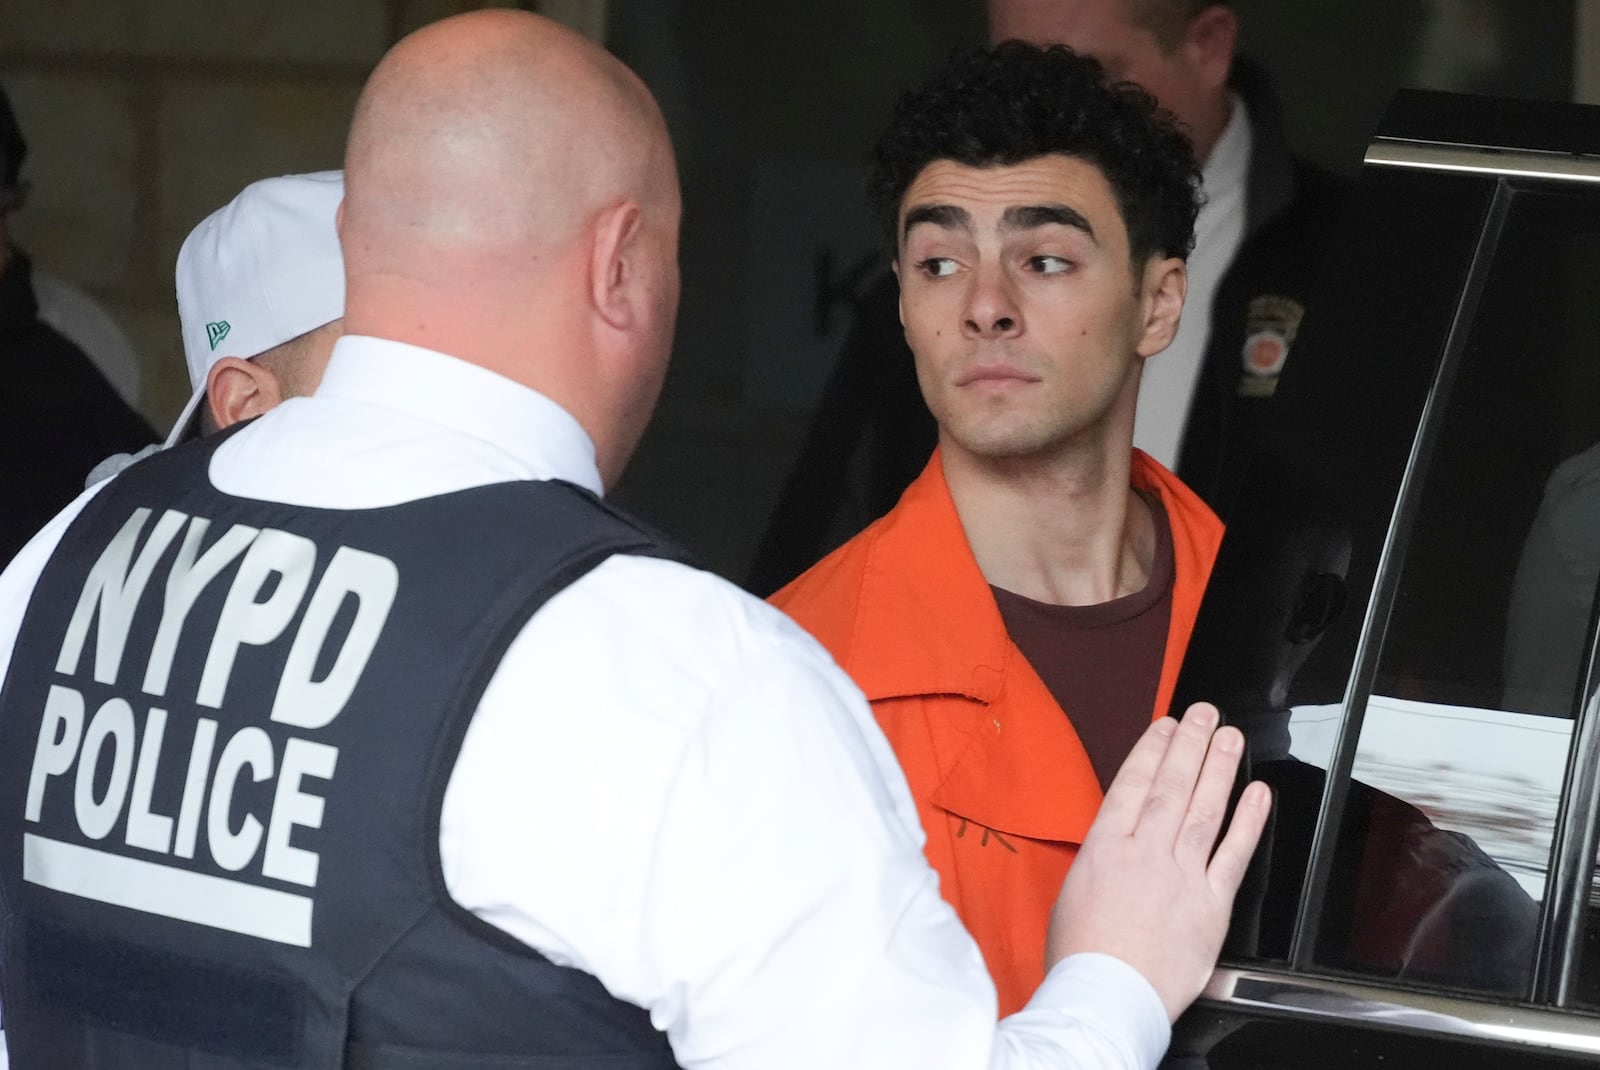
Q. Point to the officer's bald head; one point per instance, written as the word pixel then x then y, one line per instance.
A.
pixel 508 182
pixel 495 128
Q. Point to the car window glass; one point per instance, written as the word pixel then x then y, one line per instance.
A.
pixel 1447 827
pixel 1276 640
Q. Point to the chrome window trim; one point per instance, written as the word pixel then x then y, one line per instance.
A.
pixel 1478 159
pixel 1327 999
pixel 1558 964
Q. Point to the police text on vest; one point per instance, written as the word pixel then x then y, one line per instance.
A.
pixel 197 744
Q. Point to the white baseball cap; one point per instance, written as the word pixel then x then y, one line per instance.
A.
pixel 258 272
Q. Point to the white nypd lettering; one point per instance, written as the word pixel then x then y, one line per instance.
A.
pixel 114 587
pixel 291 806
pixel 146 828
pixel 60 732
pixel 245 620
pixel 307 703
pixel 250 747
pixel 115 762
pixel 189 576
pixel 112 726
pixel 194 786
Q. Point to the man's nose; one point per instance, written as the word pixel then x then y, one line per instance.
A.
pixel 992 310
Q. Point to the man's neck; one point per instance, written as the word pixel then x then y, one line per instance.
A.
pixel 1067 530
pixel 1218 115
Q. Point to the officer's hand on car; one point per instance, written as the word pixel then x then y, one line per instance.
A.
pixel 1146 886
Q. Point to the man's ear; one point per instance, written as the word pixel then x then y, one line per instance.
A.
pixel 1166 280
pixel 238 389
pixel 618 264
pixel 1210 41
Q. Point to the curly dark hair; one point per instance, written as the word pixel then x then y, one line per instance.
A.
pixel 1007 103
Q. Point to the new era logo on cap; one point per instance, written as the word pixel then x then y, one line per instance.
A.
pixel 268 260
pixel 262 270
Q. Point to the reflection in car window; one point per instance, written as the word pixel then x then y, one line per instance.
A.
pixel 1276 640
pixel 1442 865
pixel 1461 679
pixel 1491 775
pixel 1553 589
pixel 1447 830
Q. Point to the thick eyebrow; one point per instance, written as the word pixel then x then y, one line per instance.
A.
pixel 1030 216
pixel 1023 217
pixel 947 216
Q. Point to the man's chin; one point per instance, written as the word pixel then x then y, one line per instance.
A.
pixel 1010 442
pixel 1002 444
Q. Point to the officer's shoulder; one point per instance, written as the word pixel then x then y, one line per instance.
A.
pixel 676 606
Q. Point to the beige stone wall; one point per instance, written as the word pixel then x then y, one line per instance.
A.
pixel 143 116
pixel 1586 54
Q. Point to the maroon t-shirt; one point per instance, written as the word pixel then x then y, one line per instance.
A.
pixel 1103 662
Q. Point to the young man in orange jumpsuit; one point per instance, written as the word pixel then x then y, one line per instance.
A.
pixel 1018 619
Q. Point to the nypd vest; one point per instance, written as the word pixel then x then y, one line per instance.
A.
pixel 225 739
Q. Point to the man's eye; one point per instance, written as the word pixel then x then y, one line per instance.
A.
pixel 1049 265
pixel 937 266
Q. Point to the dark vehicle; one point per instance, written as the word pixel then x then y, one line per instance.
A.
pixel 1404 621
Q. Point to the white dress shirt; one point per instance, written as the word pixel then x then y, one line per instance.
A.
pixel 667 784
pixel 1166 387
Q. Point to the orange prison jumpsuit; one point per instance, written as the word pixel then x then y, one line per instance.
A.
pixel 1002 784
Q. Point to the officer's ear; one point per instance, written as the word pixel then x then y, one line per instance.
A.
pixel 238 389
pixel 1209 43
pixel 620 262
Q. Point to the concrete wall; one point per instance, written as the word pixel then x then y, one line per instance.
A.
pixel 1586 54
pixel 143 117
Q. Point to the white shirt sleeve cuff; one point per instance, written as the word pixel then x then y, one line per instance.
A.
pixel 1106 995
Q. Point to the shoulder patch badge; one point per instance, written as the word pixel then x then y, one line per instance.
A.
pixel 216 332
pixel 1270 326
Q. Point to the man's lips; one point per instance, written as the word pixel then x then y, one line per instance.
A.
pixel 995 373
